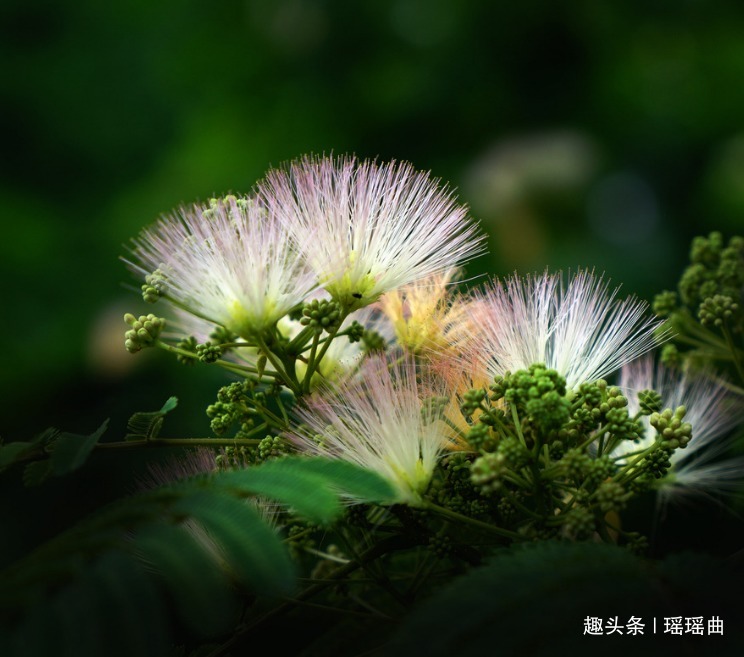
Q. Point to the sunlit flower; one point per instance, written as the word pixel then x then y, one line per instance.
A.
pixel 376 421
pixel 366 228
pixel 711 409
pixel 582 330
pixel 428 317
pixel 230 264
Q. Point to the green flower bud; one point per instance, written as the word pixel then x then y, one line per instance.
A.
pixel 579 523
pixel 650 401
pixel 472 400
pixel 321 315
pixel 612 496
pixel 355 332
pixel 208 353
pixel 717 310
pixel 144 331
pixel 665 303
pixel 487 471
pixel 373 342
pixel 187 344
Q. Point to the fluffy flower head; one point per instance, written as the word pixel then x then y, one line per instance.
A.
pixel 367 228
pixel 712 411
pixel 376 421
pixel 581 330
pixel 230 264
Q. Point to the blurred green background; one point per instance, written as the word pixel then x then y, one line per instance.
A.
pixel 592 134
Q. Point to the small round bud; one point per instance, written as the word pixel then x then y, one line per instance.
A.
pixel 355 332
pixel 487 471
pixel 612 496
pixel 665 304
pixel 373 342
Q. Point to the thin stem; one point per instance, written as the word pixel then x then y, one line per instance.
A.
pixel 290 381
pixel 311 364
pixel 226 364
pixel 181 442
pixel 282 409
pixel 602 531
pixel 517 425
pixel 299 342
pixel 472 522
pixel 375 552
pixel 315 360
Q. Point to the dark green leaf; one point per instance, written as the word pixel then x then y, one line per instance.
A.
pixel 36 472
pixel 252 550
pixel 10 452
pixel 533 600
pixel 71 451
pixel 348 479
pixel 134 622
pixel 311 486
pixel 194 582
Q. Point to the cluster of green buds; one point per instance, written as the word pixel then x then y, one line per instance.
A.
pixel 706 313
pixel 154 287
pixel 321 315
pixel 233 408
pixel 545 461
pixel 144 331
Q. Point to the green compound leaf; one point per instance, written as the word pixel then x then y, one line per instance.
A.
pixel 10 452
pixel 70 450
pixel 36 473
pixel 191 576
pixel 250 550
pixel 311 486
pixel 180 552
pixel 147 425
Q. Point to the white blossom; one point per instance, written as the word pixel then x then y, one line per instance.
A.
pixel 581 330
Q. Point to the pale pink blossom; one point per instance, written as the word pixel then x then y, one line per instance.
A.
pixel 230 264
pixel 368 228
pixel 375 420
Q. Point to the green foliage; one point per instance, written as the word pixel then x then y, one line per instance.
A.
pixel 192 548
pixel 147 425
pixel 70 451
pixel 530 600
pixel 11 452
pixel 707 317
pixel 53 453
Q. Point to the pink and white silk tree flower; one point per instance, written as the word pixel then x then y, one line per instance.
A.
pixel 712 410
pixel 230 264
pixel 376 421
pixel 581 330
pixel 366 228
